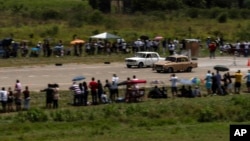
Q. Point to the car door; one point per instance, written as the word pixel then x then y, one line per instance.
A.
pixel 149 60
pixel 184 63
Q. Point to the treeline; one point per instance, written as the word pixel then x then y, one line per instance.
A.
pixel 132 6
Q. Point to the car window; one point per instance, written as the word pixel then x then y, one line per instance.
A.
pixel 154 55
pixel 142 55
pixel 149 56
pixel 172 59
pixel 184 59
pixel 179 60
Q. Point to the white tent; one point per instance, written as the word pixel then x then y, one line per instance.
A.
pixel 105 35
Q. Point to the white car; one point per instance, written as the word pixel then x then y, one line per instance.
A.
pixel 143 59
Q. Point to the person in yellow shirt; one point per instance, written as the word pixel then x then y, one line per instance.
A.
pixel 237 85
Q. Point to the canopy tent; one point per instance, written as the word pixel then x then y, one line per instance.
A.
pixel 105 35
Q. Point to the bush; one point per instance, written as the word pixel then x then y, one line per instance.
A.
pixel 214 12
pixel 193 13
pixel 234 13
pixel 222 18
pixel 33 115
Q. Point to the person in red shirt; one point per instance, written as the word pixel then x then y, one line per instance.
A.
pixel 93 88
pixel 212 49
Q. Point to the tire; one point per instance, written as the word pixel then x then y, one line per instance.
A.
pixel 158 71
pixel 128 66
pixel 189 69
pixel 170 70
pixel 140 65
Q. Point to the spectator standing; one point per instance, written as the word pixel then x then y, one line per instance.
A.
pixel 171 48
pixel 81 98
pixel 86 93
pixel 115 79
pixel 174 80
pixel 10 100
pixel 56 96
pixel 237 85
pixel 218 83
pixel 164 46
pixel 214 84
pixel 212 49
pixel 93 88
pixel 107 86
pixel 26 98
pixel 49 95
pixel 208 83
pixel 247 77
pixel 99 90
pixel 76 92
pixel 4 98
pixel 17 95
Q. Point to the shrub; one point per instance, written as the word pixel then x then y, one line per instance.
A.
pixel 193 13
pixel 33 115
pixel 214 12
pixel 222 18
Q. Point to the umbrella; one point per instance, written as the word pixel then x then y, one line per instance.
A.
pixel 77 41
pixel 221 68
pixel 127 82
pixel 158 38
pixel 78 78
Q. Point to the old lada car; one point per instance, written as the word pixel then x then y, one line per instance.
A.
pixel 143 59
pixel 175 63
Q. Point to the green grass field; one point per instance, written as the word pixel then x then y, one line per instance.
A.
pixel 189 119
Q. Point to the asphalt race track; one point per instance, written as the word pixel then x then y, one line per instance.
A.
pixel 37 77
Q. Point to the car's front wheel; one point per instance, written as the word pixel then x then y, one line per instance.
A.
pixel 189 69
pixel 170 70
pixel 140 65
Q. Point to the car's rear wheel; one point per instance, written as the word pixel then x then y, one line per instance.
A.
pixel 128 66
pixel 189 69
pixel 158 71
pixel 140 65
pixel 170 70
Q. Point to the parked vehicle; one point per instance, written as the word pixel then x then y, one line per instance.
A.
pixel 175 63
pixel 143 59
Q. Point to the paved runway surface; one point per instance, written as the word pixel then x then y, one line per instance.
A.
pixel 37 77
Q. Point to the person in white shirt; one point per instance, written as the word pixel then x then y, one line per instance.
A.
pixel 3 98
pixel 115 79
pixel 174 80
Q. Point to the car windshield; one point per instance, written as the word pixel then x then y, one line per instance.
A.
pixel 142 55
pixel 172 59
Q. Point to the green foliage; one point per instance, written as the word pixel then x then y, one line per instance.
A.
pixel 96 17
pixel 52 31
pixel 244 33
pixel 214 12
pixel 33 115
pixel 193 13
pixel 234 13
pixel 222 18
